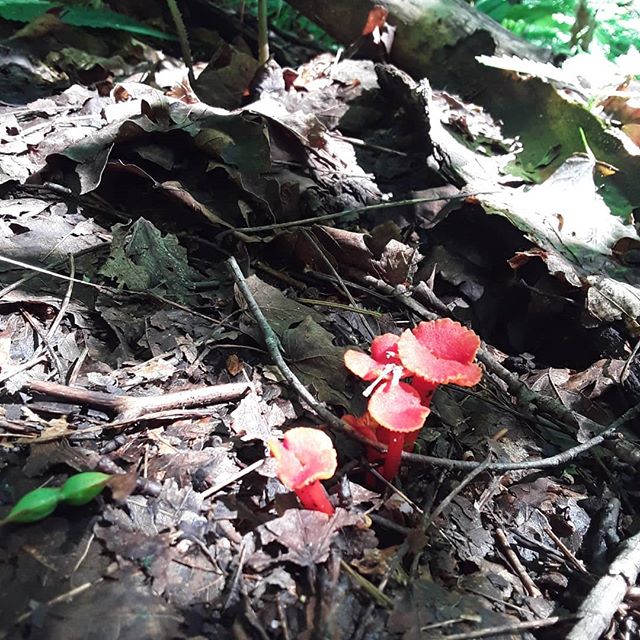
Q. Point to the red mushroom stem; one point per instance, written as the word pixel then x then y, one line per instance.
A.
pixel 314 496
pixel 394 453
pixel 425 388
pixel 396 407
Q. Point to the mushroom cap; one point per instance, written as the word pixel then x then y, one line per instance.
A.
pixel 441 352
pixel 384 351
pixel 384 348
pixel 304 456
pixel 362 365
pixel 397 407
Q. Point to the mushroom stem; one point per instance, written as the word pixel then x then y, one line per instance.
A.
pixel 314 496
pixel 425 388
pixel 394 452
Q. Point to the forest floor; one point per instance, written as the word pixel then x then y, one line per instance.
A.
pixel 157 257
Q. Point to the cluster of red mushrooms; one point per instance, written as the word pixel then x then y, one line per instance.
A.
pixel 404 371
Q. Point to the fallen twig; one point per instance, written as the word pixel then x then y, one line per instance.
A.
pixel 543 463
pixel 599 607
pixel 274 348
pixel 428 518
pixel 461 196
pixel 566 552
pixel 128 408
pixel 509 630
pixel 39 354
pixel 207 493
pixel 516 565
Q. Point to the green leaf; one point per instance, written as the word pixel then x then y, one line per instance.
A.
pixel 83 487
pixel 107 19
pixel 28 10
pixel 34 506
pixel 23 10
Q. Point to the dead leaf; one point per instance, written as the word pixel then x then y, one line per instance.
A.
pixel 234 365
pixel 307 535
pixel 142 259
pixel 255 419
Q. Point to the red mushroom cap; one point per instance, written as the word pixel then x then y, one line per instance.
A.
pixel 441 352
pixel 384 348
pixel 304 456
pixel 362 365
pixel 397 407
pixel 384 351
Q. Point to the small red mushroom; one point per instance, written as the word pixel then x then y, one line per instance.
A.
pixel 304 457
pixel 382 364
pixel 431 354
pixel 395 412
pixel 440 352
pixel 398 409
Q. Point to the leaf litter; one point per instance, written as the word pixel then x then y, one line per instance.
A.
pixel 135 193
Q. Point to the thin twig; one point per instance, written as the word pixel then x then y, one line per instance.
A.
pixel 67 595
pixel 44 345
pixel 20 282
pixel 544 463
pixel 337 305
pixel 394 489
pixel 349 212
pixel 35 359
pixel 382 599
pixel 322 253
pixel 110 290
pixel 53 274
pixel 516 565
pixel 275 351
pixel 566 552
pixel 429 518
pixel 509 630
pixel 65 301
pixel 207 493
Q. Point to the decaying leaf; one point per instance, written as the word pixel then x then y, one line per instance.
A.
pixel 308 347
pixel 141 259
pixel 307 535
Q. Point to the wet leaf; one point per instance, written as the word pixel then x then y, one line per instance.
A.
pixel 426 603
pixel 308 347
pixel 93 17
pixel 224 79
pixel 313 356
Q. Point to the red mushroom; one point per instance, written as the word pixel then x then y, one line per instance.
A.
pixel 304 457
pixel 382 364
pixel 395 410
pixel 398 409
pixel 431 354
pixel 440 352
pixel 366 426
pixel 394 417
